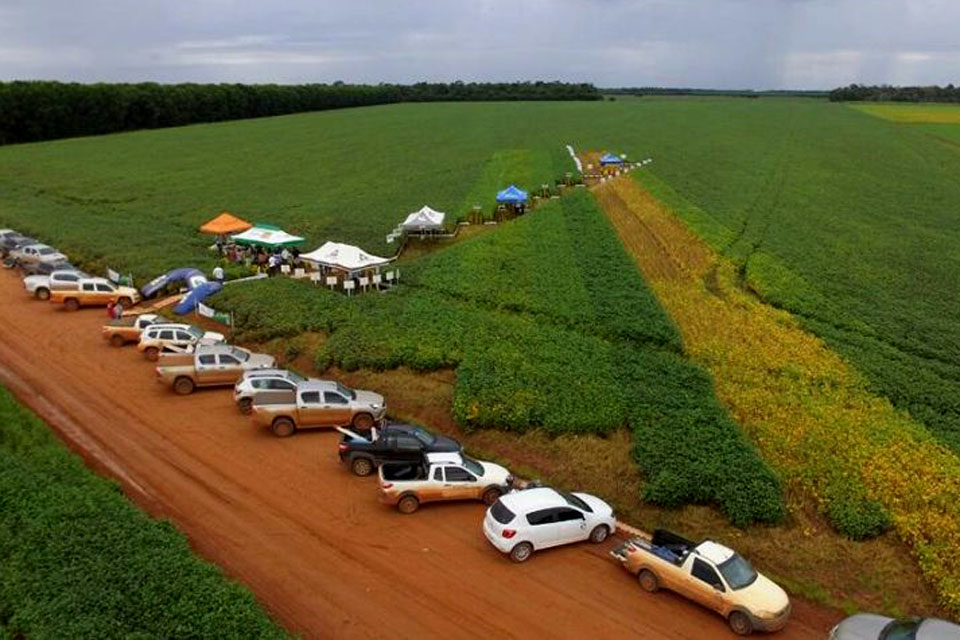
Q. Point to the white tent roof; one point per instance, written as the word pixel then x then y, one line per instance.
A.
pixel 267 236
pixel 426 218
pixel 343 256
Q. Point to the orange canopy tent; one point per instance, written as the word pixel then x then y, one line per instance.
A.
pixel 224 224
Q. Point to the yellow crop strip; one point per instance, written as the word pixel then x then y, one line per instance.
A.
pixel 913 113
pixel 808 412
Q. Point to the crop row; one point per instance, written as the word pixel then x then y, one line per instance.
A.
pixel 814 418
pixel 79 561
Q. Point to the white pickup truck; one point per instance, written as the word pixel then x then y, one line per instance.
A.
pixel 441 477
pixel 710 574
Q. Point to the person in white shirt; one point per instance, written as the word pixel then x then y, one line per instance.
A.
pixel 218 273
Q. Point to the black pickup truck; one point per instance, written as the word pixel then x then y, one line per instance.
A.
pixel 367 450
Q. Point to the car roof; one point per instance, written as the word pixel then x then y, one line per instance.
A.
pixel 714 552
pixel 441 458
pixel 170 325
pixel 97 280
pixel 317 385
pixel 38 245
pixel 937 629
pixel 533 499
pixel 207 349
pixel 263 373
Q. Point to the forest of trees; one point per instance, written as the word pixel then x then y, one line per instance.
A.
pixel 736 93
pixel 886 93
pixel 41 110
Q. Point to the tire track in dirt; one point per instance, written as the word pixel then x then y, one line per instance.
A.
pixel 310 540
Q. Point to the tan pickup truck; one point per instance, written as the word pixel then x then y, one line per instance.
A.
pixel 441 477
pixel 123 330
pixel 94 292
pixel 321 403
pixel 218 365
pixel 710 574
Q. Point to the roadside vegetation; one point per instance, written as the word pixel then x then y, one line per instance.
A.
pixel 77 560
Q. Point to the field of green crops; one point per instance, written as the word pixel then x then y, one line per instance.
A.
pixel 77 560
pixel 847 220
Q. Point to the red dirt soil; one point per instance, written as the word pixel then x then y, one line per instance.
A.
pixel 285 518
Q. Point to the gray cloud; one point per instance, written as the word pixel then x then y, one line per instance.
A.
pixel 704 43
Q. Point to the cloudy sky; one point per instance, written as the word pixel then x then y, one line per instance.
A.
pixel 761 44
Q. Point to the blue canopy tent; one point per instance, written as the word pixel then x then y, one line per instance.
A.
pixel 610 158
pixel 512 195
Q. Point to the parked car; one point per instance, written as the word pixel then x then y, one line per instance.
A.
pixel 94 292
pixel 711 575
pixel 522 522
pixel 364 452
pixel 266 386
pixel 123 330
pixel 321 403
pixel 870 626
pixel 216 365
pixel 46 268
pixel 40 286
pixel 441 477
pixel 174 334
pixel 31 254
pixel 10 240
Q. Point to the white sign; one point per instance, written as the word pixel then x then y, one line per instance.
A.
pixel 113 276
pixel 205 311
pixel 349 284
pixel 331 281
pixel 364 281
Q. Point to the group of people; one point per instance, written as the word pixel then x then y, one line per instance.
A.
pixel 265 260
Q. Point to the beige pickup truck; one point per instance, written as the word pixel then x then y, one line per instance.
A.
pixel 710 574
pixel 218 365
pixel 128 329
pixel 321 403
pixel 94 292
pixel 441 477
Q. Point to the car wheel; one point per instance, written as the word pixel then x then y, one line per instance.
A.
pixel 152 354
pixel 71 304
pixel 408 504
pixel 42 293
pixel 491 495
pixel 283 427
pixel 648 581
pixel 740 623
pixel 363 421
pixel 362 466
pixel 183 385
pixel 245 405
pixel 599 533
pixel 521 552
pixel 117 340
pixel 126 302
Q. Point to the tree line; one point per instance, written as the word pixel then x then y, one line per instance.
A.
pixel 40 110
pixel 735 93
pixel 887 93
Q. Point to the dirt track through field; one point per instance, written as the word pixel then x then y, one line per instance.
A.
pixel 311 540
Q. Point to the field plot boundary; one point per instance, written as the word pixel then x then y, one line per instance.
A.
pixel 809 412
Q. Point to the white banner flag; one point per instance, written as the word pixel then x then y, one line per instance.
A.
pixel 113 276
pixel 205 311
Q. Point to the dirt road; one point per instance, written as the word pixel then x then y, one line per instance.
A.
pixel 311 540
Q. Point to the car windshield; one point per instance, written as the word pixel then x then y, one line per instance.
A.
pixel 574 501
pixel 737 572
pixel 242 356
pixel 196 332
pixel 350 393
pixel 424 436
pixel 900 630
pixel 474 466
pixel 46 251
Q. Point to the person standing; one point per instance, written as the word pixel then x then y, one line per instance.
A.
pixel 218 274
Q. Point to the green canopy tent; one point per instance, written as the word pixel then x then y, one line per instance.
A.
pixel 267 235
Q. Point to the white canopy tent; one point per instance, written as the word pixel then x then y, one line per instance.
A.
pixel 426 219
pixel 344 257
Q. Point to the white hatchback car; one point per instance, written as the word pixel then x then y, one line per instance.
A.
pixel 522 522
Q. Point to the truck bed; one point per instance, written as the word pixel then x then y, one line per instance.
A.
pixel 403 472
pixel 126 321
